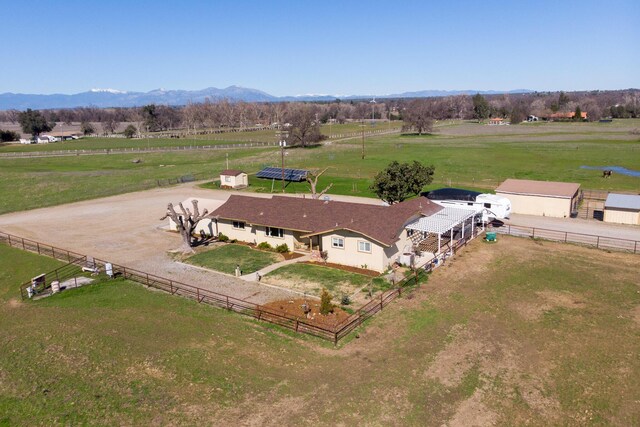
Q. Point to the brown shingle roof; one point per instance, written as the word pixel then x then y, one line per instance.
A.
pixel 538 188
pixel 310 216
pixel 231 172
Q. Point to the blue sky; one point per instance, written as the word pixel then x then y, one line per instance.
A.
pixel 325 47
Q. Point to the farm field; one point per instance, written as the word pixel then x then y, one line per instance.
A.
pixel 464 154
pixel 101 143
pixel 545 333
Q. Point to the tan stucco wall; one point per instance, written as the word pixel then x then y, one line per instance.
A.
pixel 254 234
pixel 621 217
pixel 538 205
pixel 349 255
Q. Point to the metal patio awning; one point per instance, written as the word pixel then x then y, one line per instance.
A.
pixel 441 222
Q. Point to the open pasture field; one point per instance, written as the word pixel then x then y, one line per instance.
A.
pixel 100 143
pixel 516 333
pixel 464 154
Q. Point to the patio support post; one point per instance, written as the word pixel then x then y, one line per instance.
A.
pixel 473 222
pixel 464 224
pixel 451 243
pixel 439 238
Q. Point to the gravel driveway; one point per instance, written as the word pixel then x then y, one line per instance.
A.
pixel 126 230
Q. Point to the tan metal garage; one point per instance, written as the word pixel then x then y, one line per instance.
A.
pixel 544 198
pixel 622 209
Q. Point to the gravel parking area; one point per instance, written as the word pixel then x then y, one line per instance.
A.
pixel 126 229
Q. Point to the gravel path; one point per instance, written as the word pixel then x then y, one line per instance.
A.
pixel 577 225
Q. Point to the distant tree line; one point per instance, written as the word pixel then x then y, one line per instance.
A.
pixel 419 113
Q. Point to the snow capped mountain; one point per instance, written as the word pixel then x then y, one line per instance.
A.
pixel 104 98
pixel 107 90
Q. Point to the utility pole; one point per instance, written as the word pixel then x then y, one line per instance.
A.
pixel 282 143
pixel 362 125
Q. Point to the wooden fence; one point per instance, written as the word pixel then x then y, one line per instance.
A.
pixel 205 296
pixel 600 242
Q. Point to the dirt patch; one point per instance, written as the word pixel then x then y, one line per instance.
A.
pixel 293 307
pixel 635 315
pixel 456 359
pixel 14 303
pixel 473 412
pixel 548 301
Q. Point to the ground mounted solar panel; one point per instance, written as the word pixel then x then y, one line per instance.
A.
pixel 296 175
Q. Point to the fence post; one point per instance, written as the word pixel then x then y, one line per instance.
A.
pixel 565 237
pixel 9 235
pixel 296 325
pixel 381 301
pixel 171 286
pixel 635 246
pixel 23 244
pixel 53 252
pixel 533 233
pixel 598 243
pixel 227 303
pixel 198 294
pixel 38 247
pixel 68 257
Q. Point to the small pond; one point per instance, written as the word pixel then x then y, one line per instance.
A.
pixel 615 169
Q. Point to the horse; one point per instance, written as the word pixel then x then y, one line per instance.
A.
pixel 607 173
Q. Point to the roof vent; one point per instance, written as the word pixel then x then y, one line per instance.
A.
pixel 261 213
pixel 304 215
pixel 336 224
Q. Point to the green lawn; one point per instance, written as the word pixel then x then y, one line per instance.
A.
pixel 315 277
pixel 546 333
pixel 225 258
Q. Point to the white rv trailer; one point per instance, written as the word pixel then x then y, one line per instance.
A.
pixel 491 206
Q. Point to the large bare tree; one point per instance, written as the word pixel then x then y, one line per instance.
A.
pixel 419 114
pixel 312 179
pixel 186 222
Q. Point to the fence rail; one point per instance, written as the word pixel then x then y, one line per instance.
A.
pixel 600 242
pixel 75 261
pixel 102 151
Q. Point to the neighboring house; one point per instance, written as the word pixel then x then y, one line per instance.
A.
pixel 496 121
pixel 206 225
pixel 545 198
pixel 354 234
pixel 622 209
pixel 45 139
pixel 26 141
pixel 231 178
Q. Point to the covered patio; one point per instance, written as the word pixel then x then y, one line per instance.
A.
pixel 439 233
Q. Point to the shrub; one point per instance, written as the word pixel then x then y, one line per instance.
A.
pixel 8 136
pixel 326 306
pixel 345 300
pixel 282 249
pixel 324 255
pixel 265 246
pixel 223 238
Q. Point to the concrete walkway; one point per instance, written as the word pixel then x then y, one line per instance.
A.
pixel 253 277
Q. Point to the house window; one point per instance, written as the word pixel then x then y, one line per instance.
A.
pixel 227 178
pixel 337 242
pixel 238 225
pixel 487 205
pixel 364 246
pixel 274 232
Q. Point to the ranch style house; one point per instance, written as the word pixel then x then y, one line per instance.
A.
pixel 354 234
